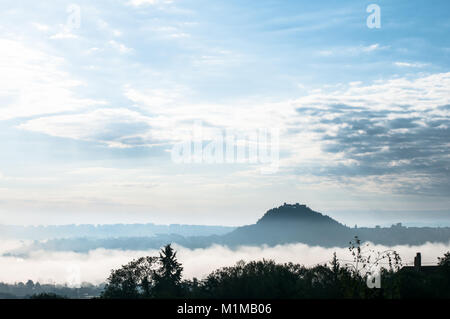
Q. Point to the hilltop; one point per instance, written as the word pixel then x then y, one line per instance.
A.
pixel 296 213
pixel 291 223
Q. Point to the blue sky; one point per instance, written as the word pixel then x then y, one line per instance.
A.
pixel 94 96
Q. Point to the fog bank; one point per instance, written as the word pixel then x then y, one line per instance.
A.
pixel 95 266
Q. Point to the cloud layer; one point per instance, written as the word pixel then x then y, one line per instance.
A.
pixel 393 133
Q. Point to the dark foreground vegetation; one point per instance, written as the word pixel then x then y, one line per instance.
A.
pixel 161 277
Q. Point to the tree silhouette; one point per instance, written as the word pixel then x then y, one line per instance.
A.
pixel 147 277
pixel 445 260
pixel 168 276
pixel 133 280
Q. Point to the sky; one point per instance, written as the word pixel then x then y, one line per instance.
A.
pixel 95 97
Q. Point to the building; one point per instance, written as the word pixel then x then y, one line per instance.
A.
pixel 419 267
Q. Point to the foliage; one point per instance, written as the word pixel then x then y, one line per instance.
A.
pixel 168 276
pixel 146 277
pixel 444 261
pixel 133 280
pixel 161 277
pixel 367 260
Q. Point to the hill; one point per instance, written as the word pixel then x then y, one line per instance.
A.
pixel 291 224
pixel 300 224
pixel 282 225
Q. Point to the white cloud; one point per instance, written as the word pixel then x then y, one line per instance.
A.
pixel 352 51
pixel 108 126
pixel 421 93
pixel 103 25
pixel 370 48
pixel 138 3
pixel 93 50
pixel 326 53
pixel 327 114
pixel 33 83
pixel 41 27
pixel 168 32
pixel 64 35
pixel 218 57
pixel 410 65
pixel 122 48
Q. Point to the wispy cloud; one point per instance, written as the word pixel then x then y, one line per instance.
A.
pixel 37 83
pixel 138 3
pixel 114 127
pixel 411 65
pixel 391 133
pixel 122 48
pixel 41 27
pixel 353 50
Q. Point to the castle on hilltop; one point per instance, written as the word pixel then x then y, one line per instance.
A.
pixel 296 205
